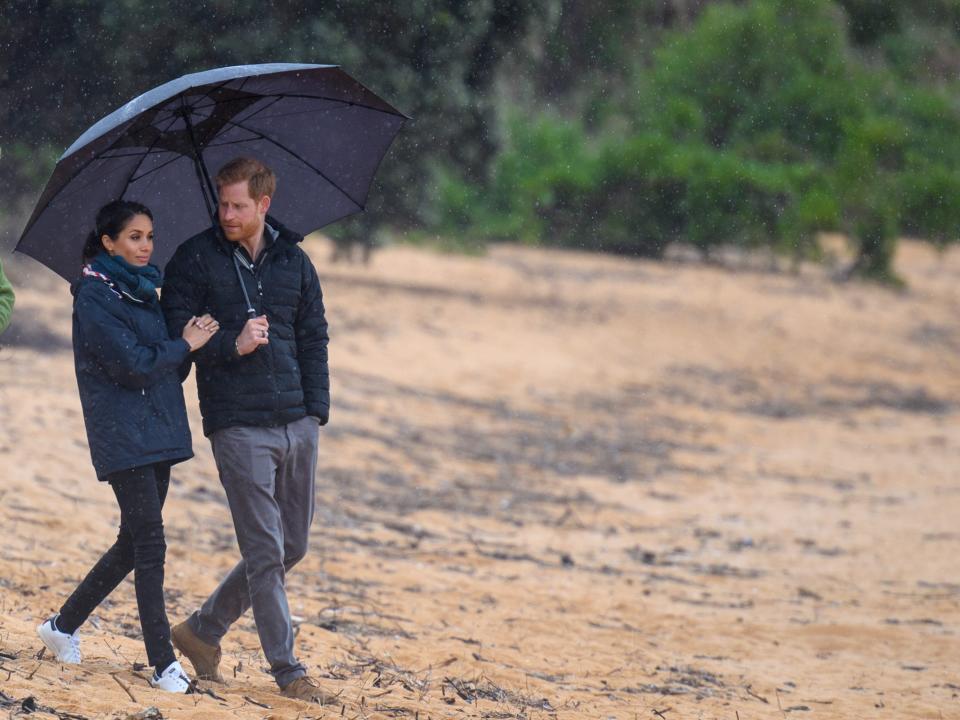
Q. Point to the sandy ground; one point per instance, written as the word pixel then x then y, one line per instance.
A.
pixel 554 485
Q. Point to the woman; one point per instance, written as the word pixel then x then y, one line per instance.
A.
pixel 128 373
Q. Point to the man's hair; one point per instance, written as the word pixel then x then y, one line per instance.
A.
pixel 259 177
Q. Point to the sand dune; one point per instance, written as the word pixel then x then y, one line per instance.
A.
pixel 553 485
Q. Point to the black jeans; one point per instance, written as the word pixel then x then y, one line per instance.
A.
pixel 140 546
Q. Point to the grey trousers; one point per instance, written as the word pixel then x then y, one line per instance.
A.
pixel 268 475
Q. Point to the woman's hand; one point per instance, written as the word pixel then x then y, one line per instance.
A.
pixel 199 330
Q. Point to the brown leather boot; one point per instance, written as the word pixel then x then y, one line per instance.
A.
pixel 306 688
pixel 204 658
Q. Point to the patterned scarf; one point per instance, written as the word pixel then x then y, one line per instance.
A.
pixel 140 283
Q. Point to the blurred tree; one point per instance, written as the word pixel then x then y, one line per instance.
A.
pixel 757 126
pixel 871 20
pixel 868 166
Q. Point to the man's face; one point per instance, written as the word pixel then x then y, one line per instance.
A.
pixel 241 217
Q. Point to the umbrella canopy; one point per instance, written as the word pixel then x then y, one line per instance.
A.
pixel 322 132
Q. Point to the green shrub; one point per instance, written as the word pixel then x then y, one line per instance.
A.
pixel 757 127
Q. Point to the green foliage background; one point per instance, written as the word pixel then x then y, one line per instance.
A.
pixel 617 125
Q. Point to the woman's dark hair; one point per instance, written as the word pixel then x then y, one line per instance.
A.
pixel 112 218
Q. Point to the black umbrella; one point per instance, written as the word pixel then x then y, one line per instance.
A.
pixel 322 132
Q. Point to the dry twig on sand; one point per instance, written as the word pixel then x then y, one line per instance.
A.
pixel 124 686
pixel 255 702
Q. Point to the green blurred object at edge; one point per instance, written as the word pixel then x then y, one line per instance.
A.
pixel 6 300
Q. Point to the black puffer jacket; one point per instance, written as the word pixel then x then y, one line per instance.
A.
pixel 129 385
pixel 279 382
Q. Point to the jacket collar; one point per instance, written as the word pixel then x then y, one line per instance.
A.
pixel 273 231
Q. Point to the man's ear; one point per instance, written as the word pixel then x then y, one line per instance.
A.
pixel 264 204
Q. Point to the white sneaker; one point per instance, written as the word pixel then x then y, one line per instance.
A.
pixel 66 648
pixel 173 679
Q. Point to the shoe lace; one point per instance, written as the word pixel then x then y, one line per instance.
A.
pixel 319 694
pixel 75 643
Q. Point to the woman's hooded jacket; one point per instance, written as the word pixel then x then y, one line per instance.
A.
pixel 128 372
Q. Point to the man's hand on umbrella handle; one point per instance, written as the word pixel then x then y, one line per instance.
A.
pixel 254 334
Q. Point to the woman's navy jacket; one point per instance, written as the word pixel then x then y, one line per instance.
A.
pixel 128 374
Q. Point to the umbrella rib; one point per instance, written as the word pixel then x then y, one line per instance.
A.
pixel 276 98
pixel 229 142
pixel 270 104
pixel 349 103
pixel 143 157
pixel 248 78
pixel 210 89
pixel 77 171
pixel 134 154
pixel 178 156
pixel 151 171
pixel 92 160
pixel 343 104
pixel 299 112
pixel 300 96
pixel 74 191
pixel 309 165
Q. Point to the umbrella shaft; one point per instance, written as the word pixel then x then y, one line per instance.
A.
pixel 206 184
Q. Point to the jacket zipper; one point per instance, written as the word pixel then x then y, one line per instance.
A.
pixel 255 270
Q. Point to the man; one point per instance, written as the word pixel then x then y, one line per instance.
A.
pixel 264 390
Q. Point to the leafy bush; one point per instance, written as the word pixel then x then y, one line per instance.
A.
pixel 757 127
